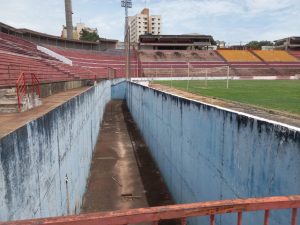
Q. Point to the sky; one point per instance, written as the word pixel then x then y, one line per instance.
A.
pixel 232 21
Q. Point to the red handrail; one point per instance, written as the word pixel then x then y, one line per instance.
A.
pixel 181 212
pixel 22 87
pixel 35 84
pixel 111 73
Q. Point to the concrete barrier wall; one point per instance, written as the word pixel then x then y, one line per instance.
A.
pixel 118 89
pixel 44 165
pixel 209 153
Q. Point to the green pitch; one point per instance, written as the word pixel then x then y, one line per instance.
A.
pixel 283 95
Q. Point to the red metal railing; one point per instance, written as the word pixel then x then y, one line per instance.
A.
pixel 111 73
pixel 22 87
pixel 181 212
pixel 35 84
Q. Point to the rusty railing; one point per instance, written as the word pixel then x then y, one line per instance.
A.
pixel 182 212
pixel 35 84
pixel 21 87
pixel 111 73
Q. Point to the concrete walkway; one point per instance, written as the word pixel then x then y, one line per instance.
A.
pixel 122 175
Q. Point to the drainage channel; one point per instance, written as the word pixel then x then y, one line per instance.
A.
pixel 123 174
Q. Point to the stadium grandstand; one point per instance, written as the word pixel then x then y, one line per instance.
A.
pixel 162 131
pixel 52 64
pixel 275 56
pixel 238 56
pixel 176 42
pixel 41 38
pixel 20 52
pixel 296 54
pixel 242 63
pixel 19 55
pixel 289 43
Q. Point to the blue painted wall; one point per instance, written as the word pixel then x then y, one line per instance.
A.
pixel 44 165
pixel 118 89
pixel 206 153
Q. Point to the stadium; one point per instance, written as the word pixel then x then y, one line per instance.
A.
pixel 173 129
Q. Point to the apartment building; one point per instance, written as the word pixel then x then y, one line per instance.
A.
pixel 76 30
pixel 144 23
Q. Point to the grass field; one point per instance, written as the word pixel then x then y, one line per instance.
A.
pixel 282 95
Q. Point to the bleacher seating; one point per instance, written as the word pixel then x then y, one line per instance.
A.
pixel 248 65
pixel 238 56
pixel 12 64
pixel 250 72
pixel 95 61
pixel 18 55
pixel 169 56
pixel 296 54
pixel 10 43
pixel 275 56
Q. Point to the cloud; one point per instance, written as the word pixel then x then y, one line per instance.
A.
pixel 229 20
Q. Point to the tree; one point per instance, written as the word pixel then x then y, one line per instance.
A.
pixel 256 45
pixel 85 35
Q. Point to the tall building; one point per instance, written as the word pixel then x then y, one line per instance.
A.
pixel 144 23
pixel 76 30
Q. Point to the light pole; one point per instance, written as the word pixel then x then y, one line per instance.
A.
pixel 127 4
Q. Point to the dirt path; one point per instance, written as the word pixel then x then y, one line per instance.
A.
pixel 283 117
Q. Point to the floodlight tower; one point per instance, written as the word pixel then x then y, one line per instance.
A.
pixel 127 4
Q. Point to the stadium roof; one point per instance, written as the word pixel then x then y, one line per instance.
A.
pixel 293 38
pixel 175 38
pixel 35 33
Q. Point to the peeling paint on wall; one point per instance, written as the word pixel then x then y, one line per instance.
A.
pixel 44 165
pixel 207 153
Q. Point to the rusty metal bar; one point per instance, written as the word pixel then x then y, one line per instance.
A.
pixel 267 217
pixel 212 219
pixel 172 212
pixel 183 221
pixel 21 89
pixel 239 219
pixel 294 216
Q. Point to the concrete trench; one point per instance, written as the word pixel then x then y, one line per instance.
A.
pixel 123 175
pixel 149 140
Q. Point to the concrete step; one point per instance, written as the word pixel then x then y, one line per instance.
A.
pixel 12 96
pixel 8 110
pixel 9 106
pixel 5 91
pixel 8 102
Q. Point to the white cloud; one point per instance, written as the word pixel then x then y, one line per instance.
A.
pixel 229 20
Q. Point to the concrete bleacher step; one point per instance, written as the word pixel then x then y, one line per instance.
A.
pixel 9 105
pixel 9 101
pixel 11 96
